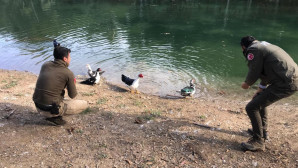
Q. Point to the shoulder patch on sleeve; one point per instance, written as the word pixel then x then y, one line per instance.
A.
pixel 250 56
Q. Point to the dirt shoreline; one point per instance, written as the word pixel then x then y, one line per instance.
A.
pixel 129 130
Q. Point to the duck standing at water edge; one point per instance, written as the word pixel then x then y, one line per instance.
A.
pixel 189 90
pixel 90 72
pixel 94 76
pixel 133 84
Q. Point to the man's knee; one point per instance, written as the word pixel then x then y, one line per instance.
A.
pixel 76 106
pixel 251 108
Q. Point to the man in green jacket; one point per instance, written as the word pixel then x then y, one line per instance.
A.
pixel 279 79
pixel 50 87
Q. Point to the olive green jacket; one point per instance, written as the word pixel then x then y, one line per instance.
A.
pixel 272 65
pixel 54 77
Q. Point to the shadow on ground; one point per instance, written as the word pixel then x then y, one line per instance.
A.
pixel 115 139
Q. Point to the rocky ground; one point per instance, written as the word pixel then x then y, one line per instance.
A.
pixel 121 129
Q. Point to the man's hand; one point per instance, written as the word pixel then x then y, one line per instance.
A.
pixel 258 91
pixel 245 85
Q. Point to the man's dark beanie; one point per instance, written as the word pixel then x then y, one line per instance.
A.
pixel 247 40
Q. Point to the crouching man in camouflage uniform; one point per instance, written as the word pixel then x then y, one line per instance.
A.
pixel 50 87
pixel 279 79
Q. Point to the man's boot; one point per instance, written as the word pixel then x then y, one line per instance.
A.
pixel 56 120
pixel 265 134
pixel 254 144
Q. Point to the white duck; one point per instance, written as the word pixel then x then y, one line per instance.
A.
pixel 133 84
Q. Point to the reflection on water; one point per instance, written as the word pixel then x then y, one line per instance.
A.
pixel 169 42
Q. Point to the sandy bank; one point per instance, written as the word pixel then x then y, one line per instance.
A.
pixel 128 130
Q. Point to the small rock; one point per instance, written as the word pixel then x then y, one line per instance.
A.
pixel 139 120
pixel 128 161
pixel 254 163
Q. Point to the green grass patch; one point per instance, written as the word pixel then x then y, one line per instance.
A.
pixel 149 162
pixel 97 146
pixel 151 114
pixel 102 101
pixel 101 155
pixel 80 131
pixel 87 110
pixel 19 94
pixel 138 103
pixel 120 106
pixel 88 94
pixel 102 145
pixel 179 109
pixel 10 85
pixel 202 117
pixel 107 115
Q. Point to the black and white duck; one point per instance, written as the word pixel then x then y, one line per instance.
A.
pixel 133 84
pixel 94 76
pixel 93 73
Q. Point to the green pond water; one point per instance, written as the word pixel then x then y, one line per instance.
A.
pixel 169 42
